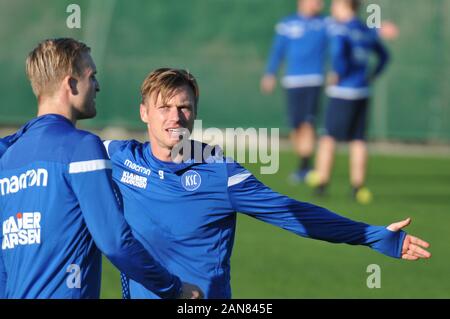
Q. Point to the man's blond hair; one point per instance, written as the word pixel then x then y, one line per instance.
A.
pixel 51 61
pixel 166 81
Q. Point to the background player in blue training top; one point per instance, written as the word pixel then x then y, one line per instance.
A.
pixel 58 208
pixel 352 45
pixel 301 41
pixel 181 202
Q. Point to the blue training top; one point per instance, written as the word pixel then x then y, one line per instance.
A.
pixel 302 43
pixel 185 214
pixel 57 205
pixel 352 45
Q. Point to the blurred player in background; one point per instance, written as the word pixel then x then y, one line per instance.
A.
pixel 300 41
pixel 181 202
pixel 58 208
pixel 352 45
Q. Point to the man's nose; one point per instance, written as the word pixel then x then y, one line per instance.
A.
pixel 175 114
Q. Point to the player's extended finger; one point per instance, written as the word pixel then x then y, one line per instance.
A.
pixel 409 257
pixel 418 241
pixel 418 251
pixel 399 225
pixel 416 254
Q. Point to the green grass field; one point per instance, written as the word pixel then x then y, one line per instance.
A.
pixel 268 262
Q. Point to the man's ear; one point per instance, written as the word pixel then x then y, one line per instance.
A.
pixel 143 112
pixel 70 84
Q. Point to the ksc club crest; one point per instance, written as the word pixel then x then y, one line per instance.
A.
pixel 191 180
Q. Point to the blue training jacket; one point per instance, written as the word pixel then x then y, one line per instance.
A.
pixel 185 214
pixel 352 45
pixel 59 212
pixel 302 43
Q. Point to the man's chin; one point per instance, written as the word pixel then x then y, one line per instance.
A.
pixel 87 115
pixel 173 142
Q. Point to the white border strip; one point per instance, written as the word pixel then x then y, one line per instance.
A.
pixel 89 166
pixel 295 81
pixel 348 93
pixel 236 179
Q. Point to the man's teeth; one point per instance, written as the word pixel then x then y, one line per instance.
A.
pixel 177 132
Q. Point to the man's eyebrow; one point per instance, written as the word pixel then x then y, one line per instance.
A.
pixel 175 105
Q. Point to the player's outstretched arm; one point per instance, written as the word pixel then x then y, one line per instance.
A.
pixel 413 247
pixel 250 196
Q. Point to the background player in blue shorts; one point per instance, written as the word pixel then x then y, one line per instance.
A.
pixel 301 41
pixel 182 202
pixel 352 45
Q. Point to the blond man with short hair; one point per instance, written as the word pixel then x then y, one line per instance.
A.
pixel 59 209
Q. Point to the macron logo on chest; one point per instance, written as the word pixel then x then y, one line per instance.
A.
pixel 137 168
pixel 135 179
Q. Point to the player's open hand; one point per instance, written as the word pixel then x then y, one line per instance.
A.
pixel 190 291
pixel 413 247
pixel 389 30
pixel 268 83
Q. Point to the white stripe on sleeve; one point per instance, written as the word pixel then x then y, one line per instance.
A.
pixel 89 166
pixel 348 93
pixel 238 178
